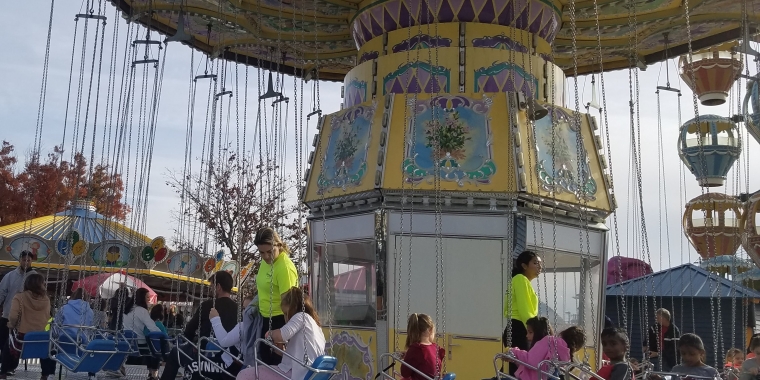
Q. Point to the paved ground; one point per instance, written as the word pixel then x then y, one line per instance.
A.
pixel 32 372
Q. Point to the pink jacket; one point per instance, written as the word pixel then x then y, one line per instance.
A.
pixel 549 348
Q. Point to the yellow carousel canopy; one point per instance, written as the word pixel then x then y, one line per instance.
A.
pixel 295 37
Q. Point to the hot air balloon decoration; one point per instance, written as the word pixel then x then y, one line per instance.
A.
pixel 709 148
pixel 712 224
pixel 711 73
pixel 751 228
pixel 752 121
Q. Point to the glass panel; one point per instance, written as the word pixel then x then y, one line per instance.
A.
pixel 561 287
pixel 349 279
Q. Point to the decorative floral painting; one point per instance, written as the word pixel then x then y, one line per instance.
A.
pixel 353 354
pixel 37 247
pixel 345 158
pixel 112 254
pixel 563 163
pixel 450 136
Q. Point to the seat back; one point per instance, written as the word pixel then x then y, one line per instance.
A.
pixel 98 352
pixel 212 348
pixel 68 345
pixel 158 343
pixel 123 350
pixel 323 363
pixel 36 345
pixel 131 338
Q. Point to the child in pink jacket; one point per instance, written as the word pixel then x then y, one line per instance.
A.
pixel 559 348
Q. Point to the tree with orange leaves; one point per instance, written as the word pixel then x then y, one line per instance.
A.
pixel 47 187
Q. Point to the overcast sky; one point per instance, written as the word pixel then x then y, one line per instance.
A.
pixel 24 30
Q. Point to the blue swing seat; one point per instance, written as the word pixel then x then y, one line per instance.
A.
pixel 123 350
pixel 36 345
pixel 450 376
pixel 212 348
pixel 91 359
pixel 158 343
pixel 322 363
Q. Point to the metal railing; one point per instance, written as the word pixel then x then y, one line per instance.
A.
pixel 508 356
pixel 281 351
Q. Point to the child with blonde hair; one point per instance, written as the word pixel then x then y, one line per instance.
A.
pixel 422 352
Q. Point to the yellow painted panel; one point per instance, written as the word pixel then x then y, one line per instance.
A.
pixel 482 64
pixel 502 37
pixel 357 85
pixel 444 62
pixel 555 174
pixel 471 358
pixel 356 351
pixel 370 50
pixel 587 355
pixel 348 148
pixel 477 162
pixel 399 40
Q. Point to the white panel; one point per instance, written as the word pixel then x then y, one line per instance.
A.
pixel 354 227
pixel 473 299
pixel 474 291
pixel 567 238
pixel 451 224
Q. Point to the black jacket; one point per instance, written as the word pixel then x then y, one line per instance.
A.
pixel 201 325
pixel 669 350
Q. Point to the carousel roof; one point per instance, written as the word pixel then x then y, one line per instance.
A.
pixel 81 216
pixel 329 31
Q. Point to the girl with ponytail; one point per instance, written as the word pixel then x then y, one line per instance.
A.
pixel 421 351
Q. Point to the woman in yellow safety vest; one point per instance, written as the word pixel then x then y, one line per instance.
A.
pixel 523 302
pixel 277 274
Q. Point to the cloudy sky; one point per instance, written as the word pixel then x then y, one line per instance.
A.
pixel 24 31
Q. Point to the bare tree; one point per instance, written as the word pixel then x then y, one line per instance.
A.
pixel 233 199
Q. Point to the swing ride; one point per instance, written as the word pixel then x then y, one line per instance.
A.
pixel 458 145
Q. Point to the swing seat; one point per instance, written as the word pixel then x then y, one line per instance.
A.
pixel 131 338
pixel 123 350
pixel 212 348
pixel 450 376
pixel 36 345
pixel 91 359
pixel 324 366
pixel 158 343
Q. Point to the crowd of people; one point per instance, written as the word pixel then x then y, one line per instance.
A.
pixel 286 317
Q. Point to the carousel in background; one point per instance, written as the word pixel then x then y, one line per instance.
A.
pixel 90 244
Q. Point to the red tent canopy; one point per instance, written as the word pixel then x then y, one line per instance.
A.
pixel 106 284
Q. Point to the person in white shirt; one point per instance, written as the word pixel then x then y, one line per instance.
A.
pixel 137 318
pixel 303 335
pixel 231 338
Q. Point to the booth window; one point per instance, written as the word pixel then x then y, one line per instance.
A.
pixel 348 279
